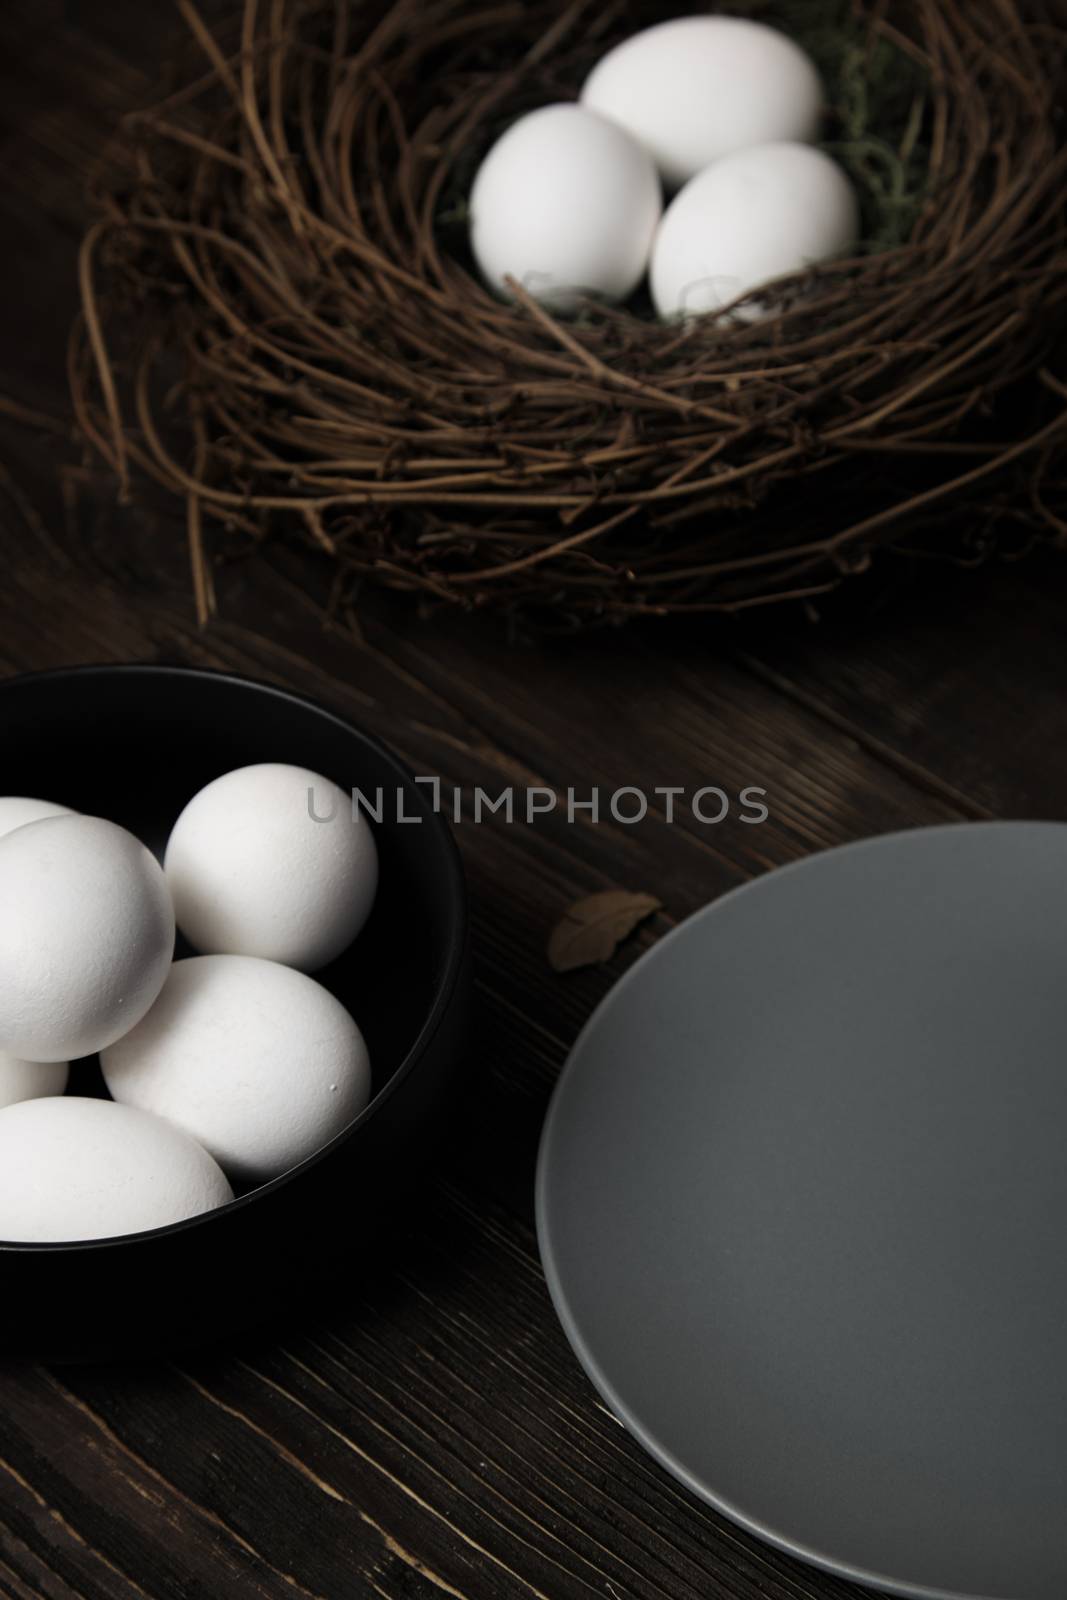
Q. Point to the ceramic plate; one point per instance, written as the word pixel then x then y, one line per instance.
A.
pixel 802 1202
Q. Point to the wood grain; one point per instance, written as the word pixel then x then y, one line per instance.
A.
pixel 431 1435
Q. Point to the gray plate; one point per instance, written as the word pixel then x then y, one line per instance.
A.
pixel 802 1203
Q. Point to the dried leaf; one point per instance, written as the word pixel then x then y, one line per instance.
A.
pixel 593 928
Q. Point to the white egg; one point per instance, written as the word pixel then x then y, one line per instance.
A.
pixel 16 812
pixel 753 217
pixel 696 88
pixel 272 861
pixel 566 203
pixel 74 1169
pixel 260 1064
pixel 86 936
pixel 30 1080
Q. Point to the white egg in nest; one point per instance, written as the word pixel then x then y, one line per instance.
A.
pixel 16 811
pixel 86 936
pixel 272 861
pixel 566 203
pixel 74 1169
pixel 257 1062
pixel 693 89
pixel 755 216
pixel 30 1080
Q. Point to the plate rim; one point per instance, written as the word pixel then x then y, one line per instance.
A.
pixel 710 1497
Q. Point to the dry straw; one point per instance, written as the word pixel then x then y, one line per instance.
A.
pixel 281 323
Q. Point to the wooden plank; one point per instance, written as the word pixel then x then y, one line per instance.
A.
pixel 962 681
pixel 434 1415
pixel 494 1469
pixel 433 1435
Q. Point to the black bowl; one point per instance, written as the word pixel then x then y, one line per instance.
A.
pixel 134 744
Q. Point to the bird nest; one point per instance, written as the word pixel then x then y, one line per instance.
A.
pixel 282 323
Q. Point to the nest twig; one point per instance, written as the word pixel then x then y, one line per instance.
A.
pixel 282 325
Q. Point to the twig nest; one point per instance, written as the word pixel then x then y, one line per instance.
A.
pixel 285 325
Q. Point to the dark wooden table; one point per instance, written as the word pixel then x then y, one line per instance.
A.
pixel 434 1435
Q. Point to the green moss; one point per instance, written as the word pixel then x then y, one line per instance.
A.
pixel 878 103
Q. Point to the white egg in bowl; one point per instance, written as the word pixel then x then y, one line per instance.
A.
pixel 134 745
